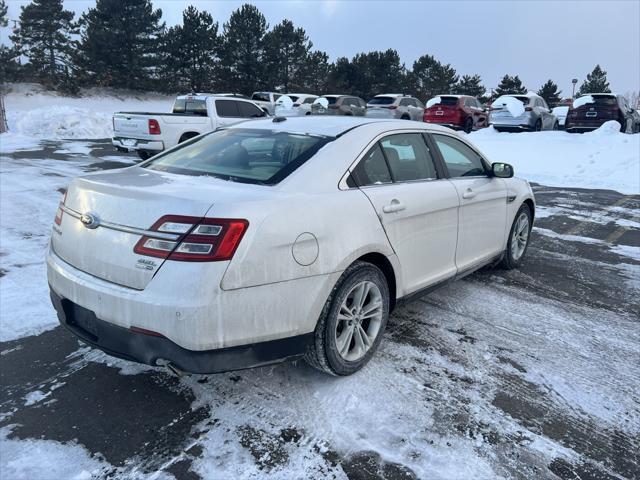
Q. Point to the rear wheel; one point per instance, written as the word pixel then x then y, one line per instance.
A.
pixel 518 238
pixel 352 321
pixel 556 126
pixel 538 125
pixel 405 117
pixel 468 125
pixel 143 154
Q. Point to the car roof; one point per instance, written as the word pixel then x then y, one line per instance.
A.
pixel 392 95
pixel 204 96
pixel 301 94
pixel 450 95
pixel 332 126
pixel 601 94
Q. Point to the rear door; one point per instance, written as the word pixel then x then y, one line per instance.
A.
pixel 417 208
pixel 131 125
pixel 483 202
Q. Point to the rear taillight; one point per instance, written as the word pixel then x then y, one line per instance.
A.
pixel 528 109
pixel 193 239
pixel 59 212
pixel 154 127
pixel 296 104
pixel 392 107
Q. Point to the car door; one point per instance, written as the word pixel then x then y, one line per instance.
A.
pixel 416 206
pixel 482 217
pixel 547 116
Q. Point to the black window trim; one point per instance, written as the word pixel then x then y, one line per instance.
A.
pixel 443 165
pixel 442 173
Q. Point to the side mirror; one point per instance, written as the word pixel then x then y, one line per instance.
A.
pixel 501 170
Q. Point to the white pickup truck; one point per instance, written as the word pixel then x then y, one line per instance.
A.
pixel 149 133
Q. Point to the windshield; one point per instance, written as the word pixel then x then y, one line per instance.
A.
pixel 190 106
pixel 241 155
pixel 381 101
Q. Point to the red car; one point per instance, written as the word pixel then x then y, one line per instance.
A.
pixel 460 112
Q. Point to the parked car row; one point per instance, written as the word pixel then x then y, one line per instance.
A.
pixel 149 133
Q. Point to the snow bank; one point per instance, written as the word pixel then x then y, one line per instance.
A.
pixel 34 112
pixel 515 106
pixel 604 158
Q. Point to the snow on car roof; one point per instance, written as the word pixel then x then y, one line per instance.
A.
pixel 329 126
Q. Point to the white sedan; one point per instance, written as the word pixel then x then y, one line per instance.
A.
pixel 276 239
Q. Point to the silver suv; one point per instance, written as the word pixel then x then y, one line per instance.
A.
pixel 395 105
pixel 348 105
pixel 522 112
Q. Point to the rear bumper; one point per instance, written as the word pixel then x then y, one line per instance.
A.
pixel 512 128
pixel 573 128
pixel 454 126
pixel 132 144
pixel 149 349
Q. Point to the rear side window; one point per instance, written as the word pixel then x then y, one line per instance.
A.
pixel 331 100
pixel 249 110
pixel 227 108
pixel 190 106
pixel 406 102
pixel 408 157
pixel 460 159
pixel 372 169
pixel 241 155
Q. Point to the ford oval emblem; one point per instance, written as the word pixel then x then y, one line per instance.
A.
pixel 90 220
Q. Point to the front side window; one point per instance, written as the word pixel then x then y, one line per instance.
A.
pixel 249 110
pixel 408 157
pixel 372 169
pixel 460 159
pixel 405 102
pixel 241 155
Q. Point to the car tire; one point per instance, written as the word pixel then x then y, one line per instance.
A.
pixel 538 126
pixel 519 237
pixel 143 154
pixel 334 354
pixel 405 117
pixel 468 125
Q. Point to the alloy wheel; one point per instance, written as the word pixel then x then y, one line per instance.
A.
pixel 520 236
pixel 359 321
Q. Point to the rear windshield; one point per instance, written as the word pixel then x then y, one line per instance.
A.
pixel 605 100
pixel 381 101
pixel 190 106
pixel 450 101
pixel 261 97
pixel 241 155
pixel 294 98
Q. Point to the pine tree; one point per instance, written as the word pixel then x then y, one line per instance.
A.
pixel 549 91
pixel 470 85
pixel 286 49
pixel 242 51
pixel 190 53
pixel 377 72
pixel 119 43
pixel 433 77
pixel 314 74
pixel 342 76
pixel 510 85
pixel 3 14
pixel 9 67
pixel 44 37
pixel 596 82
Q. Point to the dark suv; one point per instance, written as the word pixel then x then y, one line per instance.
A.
pixel 460 112
pixel 590 111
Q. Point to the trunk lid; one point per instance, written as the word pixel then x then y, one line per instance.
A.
pixel 126 202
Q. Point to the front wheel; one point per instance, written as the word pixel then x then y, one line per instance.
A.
pixel 518 238
pixel 352 321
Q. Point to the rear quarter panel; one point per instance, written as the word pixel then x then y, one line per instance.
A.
pixel 339 226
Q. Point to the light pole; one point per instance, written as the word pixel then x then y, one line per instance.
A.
pixel 573 88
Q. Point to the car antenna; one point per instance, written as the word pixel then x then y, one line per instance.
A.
pixel 279 119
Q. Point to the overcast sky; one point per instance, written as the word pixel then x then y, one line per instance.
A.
pixel 537 39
